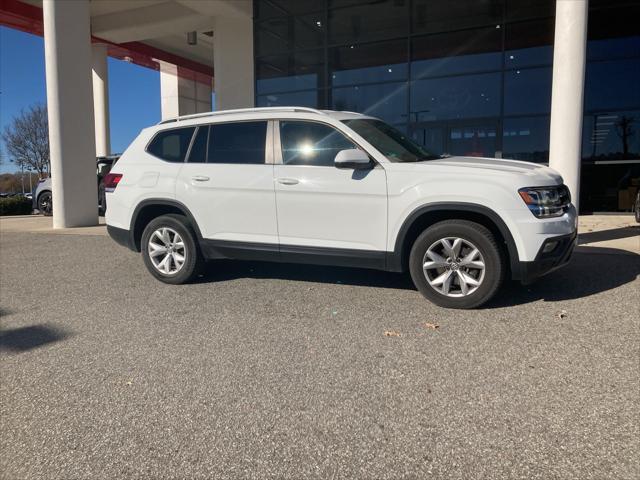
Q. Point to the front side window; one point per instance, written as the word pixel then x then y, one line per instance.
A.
pixel 237 143
pixel 389 141
pixel 171 145
pixel 308 143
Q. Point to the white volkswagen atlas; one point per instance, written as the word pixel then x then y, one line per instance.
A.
pixel 293 184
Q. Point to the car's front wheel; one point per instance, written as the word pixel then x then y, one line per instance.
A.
pixel 457 264
pixel 170 250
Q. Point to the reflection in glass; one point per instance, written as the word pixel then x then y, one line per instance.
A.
pixel 457 52
pixel 374 62
pixel 369 20
pixel 456 97
pixel 526 139
pixel 529 43
pixel 441 16
pixel 527 91
pixel 612 85
pixel 297 99
pixel 611 136
pixel 299 71
pixel 473 141
pixel 280 35
pixel 311 144
pixel 387 101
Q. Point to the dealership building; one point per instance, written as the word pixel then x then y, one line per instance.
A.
pixel 544 81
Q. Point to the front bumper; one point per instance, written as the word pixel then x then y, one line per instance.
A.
pixel 549 259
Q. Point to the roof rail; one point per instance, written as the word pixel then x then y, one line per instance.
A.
pixel 243 110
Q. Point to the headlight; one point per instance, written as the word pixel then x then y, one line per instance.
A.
pixel 546 202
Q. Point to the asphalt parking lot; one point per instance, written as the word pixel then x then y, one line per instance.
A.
pixel 278 371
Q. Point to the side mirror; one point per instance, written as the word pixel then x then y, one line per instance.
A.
pixel 353 158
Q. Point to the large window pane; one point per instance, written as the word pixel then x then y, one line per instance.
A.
pixel 442 16
pixel 529 43
pixel 612 85
pixel 368 20
pixel 237 143
pixel 295 99
pixel 374 62
pixel 466 96
pixel 299 71
pixel 281 35
pixel 457 52
pixel 526 139
pixel 527 91
pixel 387 101
pixel 473 140
pixel 311 144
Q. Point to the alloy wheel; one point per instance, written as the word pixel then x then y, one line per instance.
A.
pixel 454 267
pixel 166 250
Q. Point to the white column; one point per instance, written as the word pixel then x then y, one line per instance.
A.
pixel 233 62
pixel 67 51
pixel 183 92
pixel 569 54
pixel 101 99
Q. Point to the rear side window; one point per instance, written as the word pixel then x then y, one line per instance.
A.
pixel 171 145
pixel 237 143
pixel 308 143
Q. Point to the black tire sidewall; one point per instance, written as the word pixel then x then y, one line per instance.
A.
pixel 482 238
pixel 41 197
pixel 193 260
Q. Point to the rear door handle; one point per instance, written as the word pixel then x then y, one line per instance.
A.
pixel 200 178
pixel 288 181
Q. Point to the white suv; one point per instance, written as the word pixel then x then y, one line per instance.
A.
pixel 295 184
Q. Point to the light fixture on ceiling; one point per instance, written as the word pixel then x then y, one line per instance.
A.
pixel 192 38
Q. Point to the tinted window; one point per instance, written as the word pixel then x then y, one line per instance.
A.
pixel 171 145
pixel 370 20
pixel 385 100
pixel 306 143
pixel 241 142
pixel 527 91
pixel 373 62
pixel 198 153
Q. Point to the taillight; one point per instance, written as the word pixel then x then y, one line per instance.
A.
pixel 111 181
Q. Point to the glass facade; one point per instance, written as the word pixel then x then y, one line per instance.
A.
pixel 470 77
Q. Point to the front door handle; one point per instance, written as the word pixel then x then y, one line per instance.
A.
pixel 200 178
pixel 288 181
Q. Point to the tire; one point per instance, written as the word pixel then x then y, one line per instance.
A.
pixel 192 262
pixel 45 203
pixel 636 209
pixel 467 285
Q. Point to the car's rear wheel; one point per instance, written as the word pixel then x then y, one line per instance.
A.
pixel 170 250
pixel 457 264
pixel 45 203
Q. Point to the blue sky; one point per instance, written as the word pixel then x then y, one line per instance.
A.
pixel 134 92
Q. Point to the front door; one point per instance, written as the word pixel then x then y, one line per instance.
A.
pixel 319 205
pixel 227 183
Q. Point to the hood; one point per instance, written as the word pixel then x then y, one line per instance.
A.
pixel 534 170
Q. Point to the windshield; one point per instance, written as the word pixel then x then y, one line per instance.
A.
pixel 392 143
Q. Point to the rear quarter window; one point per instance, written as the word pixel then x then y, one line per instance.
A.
pixel 171 145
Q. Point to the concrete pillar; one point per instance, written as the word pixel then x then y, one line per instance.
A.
pixel 569 55
pixel 101 99
pixel 67 53
pixel 233 63
pixel 183 92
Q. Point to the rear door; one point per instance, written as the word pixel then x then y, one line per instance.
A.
pixel 227 182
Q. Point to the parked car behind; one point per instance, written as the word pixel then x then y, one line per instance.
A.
pixel 42 197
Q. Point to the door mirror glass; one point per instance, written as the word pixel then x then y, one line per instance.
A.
pixel 353 158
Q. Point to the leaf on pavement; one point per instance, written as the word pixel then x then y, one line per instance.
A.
pixel 432 326
pixel 391 333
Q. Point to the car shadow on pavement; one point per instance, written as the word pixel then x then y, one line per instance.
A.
pixel 27 338
pixel 612 234
pixel 592 270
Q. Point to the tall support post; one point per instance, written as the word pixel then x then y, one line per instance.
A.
pixel 569 58
pixel 101 99
pixel 67 49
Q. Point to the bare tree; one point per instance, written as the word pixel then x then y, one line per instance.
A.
pixel 625 131
pixel 27 139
